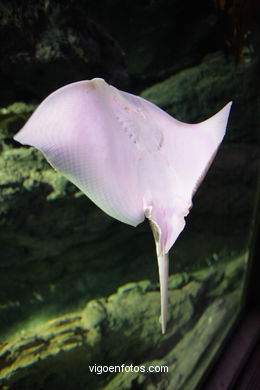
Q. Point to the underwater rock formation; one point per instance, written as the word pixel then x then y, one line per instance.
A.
pixel 75 341
pixel 46 45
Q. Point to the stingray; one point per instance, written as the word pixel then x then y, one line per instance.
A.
pixel 131 158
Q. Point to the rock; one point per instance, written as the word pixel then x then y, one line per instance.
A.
pixel 178 280
pixel 149 32
pixel 126 320
pixel 183 369
pixel 46 46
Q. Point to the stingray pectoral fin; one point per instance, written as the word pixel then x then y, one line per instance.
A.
pixel 190 150
pixel 77 130
pixel 216 125
pixel 212 131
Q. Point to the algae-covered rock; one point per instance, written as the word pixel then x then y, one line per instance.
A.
pixel 122 329
pixel 187 359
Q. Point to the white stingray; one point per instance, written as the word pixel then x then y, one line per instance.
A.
pixel 132 159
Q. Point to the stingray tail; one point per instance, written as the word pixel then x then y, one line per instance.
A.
pixel 163 265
